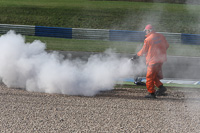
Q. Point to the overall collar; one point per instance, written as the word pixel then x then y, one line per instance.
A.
pixel 149 34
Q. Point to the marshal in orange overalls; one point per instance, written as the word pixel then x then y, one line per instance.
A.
pixel 155 47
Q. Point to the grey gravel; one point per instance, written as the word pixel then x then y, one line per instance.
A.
pixel 116 111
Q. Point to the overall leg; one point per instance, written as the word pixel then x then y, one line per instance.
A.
pixel 150 79
pixel 162 89
pixel 159 75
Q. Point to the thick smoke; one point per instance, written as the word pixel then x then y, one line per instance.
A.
pixel 29 66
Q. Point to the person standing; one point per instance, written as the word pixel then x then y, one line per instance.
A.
pixel 155 50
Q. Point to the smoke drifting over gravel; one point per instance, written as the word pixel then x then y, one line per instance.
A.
pixel 29 66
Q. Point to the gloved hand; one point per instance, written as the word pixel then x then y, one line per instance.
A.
pixel 135 57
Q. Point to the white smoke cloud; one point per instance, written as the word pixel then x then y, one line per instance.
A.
pixel 29 66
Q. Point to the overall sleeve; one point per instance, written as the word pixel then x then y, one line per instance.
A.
pixel 144 49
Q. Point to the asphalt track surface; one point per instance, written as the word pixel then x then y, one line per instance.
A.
pixel 116 111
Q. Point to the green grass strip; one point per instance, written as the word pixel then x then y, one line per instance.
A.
pixel 132 85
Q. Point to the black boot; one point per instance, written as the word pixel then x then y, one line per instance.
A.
pixel 151 95
pixel 161 91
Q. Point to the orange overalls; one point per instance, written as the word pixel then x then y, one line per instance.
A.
pixel 155 47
